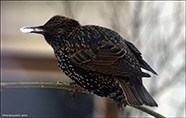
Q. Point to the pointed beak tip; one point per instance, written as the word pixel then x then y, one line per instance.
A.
pixel 26 30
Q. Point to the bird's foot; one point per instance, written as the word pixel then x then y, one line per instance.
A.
pixel 121 103
pixel 76 89
pixel 119 106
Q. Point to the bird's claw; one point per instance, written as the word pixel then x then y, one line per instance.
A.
pixel 76 89
pixel 122 103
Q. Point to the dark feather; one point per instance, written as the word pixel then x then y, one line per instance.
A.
pixel 137 53
pixel 135 92
pixel 107 53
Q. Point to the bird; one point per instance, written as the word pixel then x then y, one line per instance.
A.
pixel 97 59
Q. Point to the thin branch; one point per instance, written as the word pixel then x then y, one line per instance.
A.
pixel 58 85
pixel 61 85
pixel 149 111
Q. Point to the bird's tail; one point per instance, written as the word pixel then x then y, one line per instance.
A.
pixel 135 93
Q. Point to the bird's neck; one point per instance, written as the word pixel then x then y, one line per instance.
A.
pixel 59 46
pixel 73 31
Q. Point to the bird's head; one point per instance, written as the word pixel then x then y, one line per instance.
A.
pixel 56 30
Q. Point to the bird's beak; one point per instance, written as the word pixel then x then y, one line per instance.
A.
pixel 37 29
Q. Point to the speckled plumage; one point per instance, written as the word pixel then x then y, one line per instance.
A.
pixel 98 59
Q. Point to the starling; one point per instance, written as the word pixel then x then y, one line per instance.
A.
pixel 97 59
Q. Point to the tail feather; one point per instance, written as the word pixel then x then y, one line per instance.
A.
pixel 130 94
pixel 135 92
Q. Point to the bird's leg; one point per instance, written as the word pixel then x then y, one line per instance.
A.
pixel 120 103
pixel 72 92
pixel 76 89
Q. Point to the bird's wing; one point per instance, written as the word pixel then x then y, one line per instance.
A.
pixel 103 51
pixel 137 53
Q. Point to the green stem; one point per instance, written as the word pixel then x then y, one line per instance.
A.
pixel 149 111
pixel 58 85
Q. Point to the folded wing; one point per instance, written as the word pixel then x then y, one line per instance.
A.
pixel 106 53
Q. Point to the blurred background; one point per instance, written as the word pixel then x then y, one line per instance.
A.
pixel 156 28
